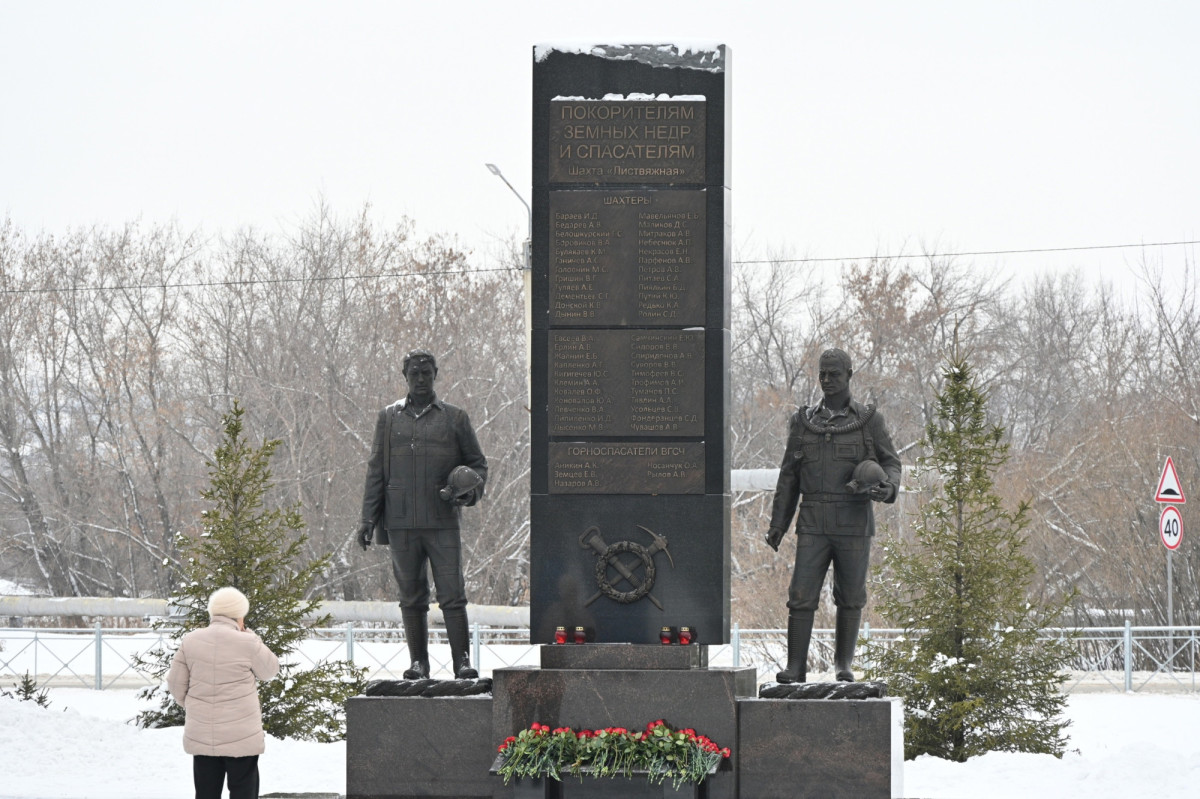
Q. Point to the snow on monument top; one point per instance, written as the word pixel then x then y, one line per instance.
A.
pixel 635 96
pixel 706 56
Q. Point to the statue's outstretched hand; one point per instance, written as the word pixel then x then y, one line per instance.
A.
pixel 366 533
pixel 775 537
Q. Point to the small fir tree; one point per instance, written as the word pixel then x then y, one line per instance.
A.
pixel 27 690
pixel 974 674
pixel 257 550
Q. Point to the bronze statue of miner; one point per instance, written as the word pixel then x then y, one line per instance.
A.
pixel 831 466
pixel 425 465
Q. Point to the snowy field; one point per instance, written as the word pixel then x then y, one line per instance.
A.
pixel 1123 747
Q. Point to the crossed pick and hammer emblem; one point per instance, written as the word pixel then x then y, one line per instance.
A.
pixel 610 556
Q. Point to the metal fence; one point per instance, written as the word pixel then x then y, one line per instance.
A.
pixel 1107 658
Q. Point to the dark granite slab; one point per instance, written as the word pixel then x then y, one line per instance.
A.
pixel 691 588
pixel 636 787
pixel 820 748
pixel 400 747
pixel 703 699
pixel 624 656
pixel 631 279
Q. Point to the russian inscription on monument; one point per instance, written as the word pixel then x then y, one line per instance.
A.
pixel 621 258
pixel 627 467
pixel 626 383
pixel 627 141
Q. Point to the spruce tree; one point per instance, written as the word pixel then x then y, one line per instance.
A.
pixel 971 666
pixel 258 550
pixel 27 690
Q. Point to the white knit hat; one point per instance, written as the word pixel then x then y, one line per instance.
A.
pixel 228 602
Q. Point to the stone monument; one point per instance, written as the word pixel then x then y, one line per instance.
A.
pixel 629 526
pixel 630 503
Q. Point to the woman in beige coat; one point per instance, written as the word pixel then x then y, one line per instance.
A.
pixel 213 677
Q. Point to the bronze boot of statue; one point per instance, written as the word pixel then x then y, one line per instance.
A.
pixel 460 638
pixel 845 639
pixel 416 633
pixel 800 624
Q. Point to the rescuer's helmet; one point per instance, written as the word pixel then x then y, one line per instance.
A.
pixel 462 482
pixel 867 475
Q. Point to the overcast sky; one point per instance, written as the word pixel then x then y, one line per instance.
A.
pixel 857 127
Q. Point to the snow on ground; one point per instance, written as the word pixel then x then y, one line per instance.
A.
pixel 9 588
pixel 82 748
pixel 1124 746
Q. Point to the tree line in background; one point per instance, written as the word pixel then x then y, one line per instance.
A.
pixel 120 350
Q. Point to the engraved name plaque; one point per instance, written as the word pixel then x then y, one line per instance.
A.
pixel 626 383
pixel 626 467
pixel 627 258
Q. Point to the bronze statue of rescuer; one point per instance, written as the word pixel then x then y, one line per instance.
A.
pixel 839 457
pixel 425 465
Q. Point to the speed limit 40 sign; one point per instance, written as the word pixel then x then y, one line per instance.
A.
pixel 1170 527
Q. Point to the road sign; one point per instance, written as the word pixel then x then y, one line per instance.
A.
pixel 1170 527
pixel 1169 489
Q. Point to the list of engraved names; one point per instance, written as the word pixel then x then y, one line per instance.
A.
pixel 626 383
pixel 622 258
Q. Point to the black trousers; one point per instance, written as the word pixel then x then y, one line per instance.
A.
pixel 209 774
pixel 411 549
pixel 851 559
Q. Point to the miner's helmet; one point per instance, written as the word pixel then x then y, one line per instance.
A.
pixel 462 481
pixel 867 475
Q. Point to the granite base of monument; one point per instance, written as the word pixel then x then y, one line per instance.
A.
pixel 402 747
pixel 683 694
pixel 821 748
pixel 619 788
pixel 446 746
pixel 617 657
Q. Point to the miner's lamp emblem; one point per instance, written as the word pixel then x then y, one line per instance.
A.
pixel 632 563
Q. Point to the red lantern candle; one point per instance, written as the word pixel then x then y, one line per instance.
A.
pixel 580 635
pixel 664 635
pixel 685 635
pixel 560 635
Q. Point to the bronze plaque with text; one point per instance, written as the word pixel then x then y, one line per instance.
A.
pixel 627 258
pixel 626 383
pixel 627 467
pixel 627 141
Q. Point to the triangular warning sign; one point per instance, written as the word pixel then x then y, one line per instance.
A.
pixel 1168 485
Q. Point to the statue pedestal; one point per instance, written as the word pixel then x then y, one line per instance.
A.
pixel 821 748
pixel 400 747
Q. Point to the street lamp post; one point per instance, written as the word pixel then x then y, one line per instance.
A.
pixel 495 170
pixel 527 276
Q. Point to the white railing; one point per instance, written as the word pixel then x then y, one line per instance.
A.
pixel 1107 658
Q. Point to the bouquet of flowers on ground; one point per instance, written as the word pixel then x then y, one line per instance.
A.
pixel 659 752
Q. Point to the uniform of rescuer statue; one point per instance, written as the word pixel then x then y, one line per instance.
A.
pixel 839 458
pixel 425 465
